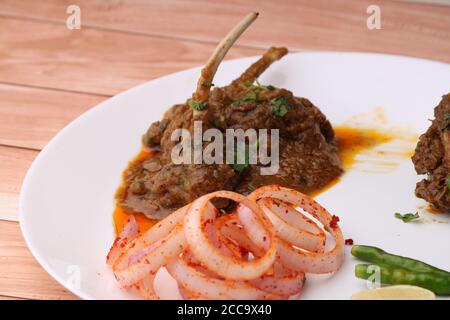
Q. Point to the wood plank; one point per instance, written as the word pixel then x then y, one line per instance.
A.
pixel 10 298
pixel 421 30
pixel 20 274
pixel 93 61
pixel 14 165
pixel 31 116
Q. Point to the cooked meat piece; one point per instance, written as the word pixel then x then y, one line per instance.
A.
pixel 307 148
pixel 432 157
pixel 171 187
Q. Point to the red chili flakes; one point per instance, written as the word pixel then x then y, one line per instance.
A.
pixel 349 242
pixel 334 221
pixel 243 252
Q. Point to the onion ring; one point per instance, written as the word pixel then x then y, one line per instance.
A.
pixel 146 289
pixel 297 259
pixel 260 252
pixel 200 285
pixel 279 280
pixel 129 232
pixel 210 256
pixel 292 226
pixel 150 259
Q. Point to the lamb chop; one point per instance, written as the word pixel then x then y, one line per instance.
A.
pixel 156 186
pixel 432 157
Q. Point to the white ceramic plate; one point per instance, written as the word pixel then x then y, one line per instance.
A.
pixel 66 201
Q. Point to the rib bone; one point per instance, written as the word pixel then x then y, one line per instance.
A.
pixel 208 72
pixel 257 68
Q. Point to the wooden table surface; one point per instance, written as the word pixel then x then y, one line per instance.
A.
pixel 49 74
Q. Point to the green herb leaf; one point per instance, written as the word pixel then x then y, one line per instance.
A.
pixel 251 97
pixel 447 116
pixel 407 217
pixel 258 86
pixel 447 182
pixel 241 167
pixel 279 106
pixel 197 105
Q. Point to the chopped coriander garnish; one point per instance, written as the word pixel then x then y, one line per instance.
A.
pixel 197 105
pixel 407 217
pixel 447 182
pixel 447 116
pixel 241 167
pixel 258 86
pixel 251 97
pixel 279 106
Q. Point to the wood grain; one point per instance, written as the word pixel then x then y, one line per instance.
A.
pixel 10 298
pixel 20 274
pixel 421 30
pixel 31 116
pixel 14 165
pixel 93 61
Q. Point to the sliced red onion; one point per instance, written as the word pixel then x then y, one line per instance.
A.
pixel 200 285
pixel 215 260
pixel 297 258
pixel 129 232
pixel 292 226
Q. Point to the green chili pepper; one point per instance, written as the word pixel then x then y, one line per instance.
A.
pixel 436 282
pixel 379 256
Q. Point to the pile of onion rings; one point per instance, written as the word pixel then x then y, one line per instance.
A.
pixel 260 251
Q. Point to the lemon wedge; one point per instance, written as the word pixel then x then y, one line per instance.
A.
pixel 400 292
